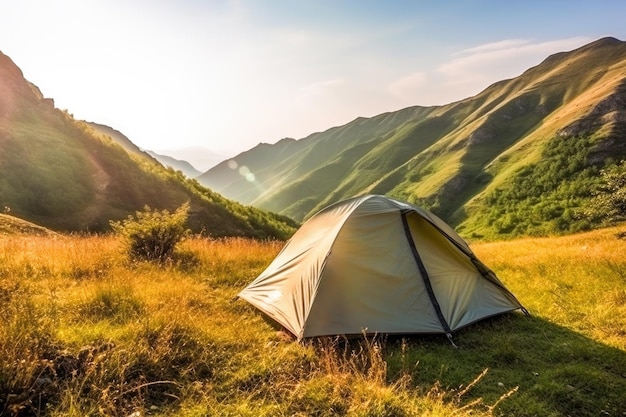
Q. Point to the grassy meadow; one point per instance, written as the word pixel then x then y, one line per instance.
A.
pixel 86 332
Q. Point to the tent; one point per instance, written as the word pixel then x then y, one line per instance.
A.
pixel 376 265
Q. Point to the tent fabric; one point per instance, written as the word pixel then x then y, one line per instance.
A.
pixel 373 264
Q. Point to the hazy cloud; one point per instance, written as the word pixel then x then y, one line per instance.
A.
pixel 467 72
pixel 495 46
pixel 177 74
pixel 473 69
pixel 320 88
pixel 409 87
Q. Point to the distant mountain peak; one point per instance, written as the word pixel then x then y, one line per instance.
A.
pixel 606 41
pixel 177 164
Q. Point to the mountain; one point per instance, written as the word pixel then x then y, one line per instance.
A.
pixel 199 157
pixel 521 157
pixel 167 161
pixel 69 175
pixel 176 164
pixel 117 137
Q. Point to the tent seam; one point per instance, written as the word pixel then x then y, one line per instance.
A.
pixel 340 227
pixel 482 269
pixel 424 273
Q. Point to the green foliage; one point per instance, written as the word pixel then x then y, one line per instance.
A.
pixel 152 235
pixel 545 197
pixel 609 202
pixel 230 218
pixel 43 176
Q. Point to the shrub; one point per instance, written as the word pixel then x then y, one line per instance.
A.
pixel 152 235
pixel 609 200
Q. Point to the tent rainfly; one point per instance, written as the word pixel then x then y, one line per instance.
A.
pixel 376 265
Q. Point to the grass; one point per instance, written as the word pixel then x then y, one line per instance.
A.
pixel 86 332
pixel 10 225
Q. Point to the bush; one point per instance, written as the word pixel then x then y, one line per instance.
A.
pixel 609 200
pixel 152 235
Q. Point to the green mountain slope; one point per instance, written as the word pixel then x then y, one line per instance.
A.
pixel 521 157
pixel 74 176
pixel 178 165
pixel 167 161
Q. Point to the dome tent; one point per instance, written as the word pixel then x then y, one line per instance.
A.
pixel 377 265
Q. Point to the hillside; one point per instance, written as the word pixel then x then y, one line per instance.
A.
pixel 165 160
pixel 69 175
pixel 117 137
pixel 10 225
pixel 178 165
pixel 522 157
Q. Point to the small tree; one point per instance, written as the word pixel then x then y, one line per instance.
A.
pixel 152 235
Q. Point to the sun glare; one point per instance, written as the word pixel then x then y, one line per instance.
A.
pixel 243 170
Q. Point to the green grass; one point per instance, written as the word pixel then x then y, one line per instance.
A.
pixel 85 331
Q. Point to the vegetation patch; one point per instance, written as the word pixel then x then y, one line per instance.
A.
pixel 550 196
pixel 153 235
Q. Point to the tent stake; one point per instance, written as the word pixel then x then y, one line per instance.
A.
pixel 451 340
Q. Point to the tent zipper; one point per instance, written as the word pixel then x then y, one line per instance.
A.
pixel 425 277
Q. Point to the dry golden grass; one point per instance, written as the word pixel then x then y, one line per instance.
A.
pixel 85 331
pixel 577 281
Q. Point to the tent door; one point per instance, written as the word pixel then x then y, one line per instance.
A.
pixel 425 277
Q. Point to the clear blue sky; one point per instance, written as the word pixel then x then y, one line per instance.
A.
pixel 226 75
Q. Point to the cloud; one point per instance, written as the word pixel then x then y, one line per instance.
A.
pixel 473 69
pixel 495 46
pixel 406 88
pixel 320 88
pixel 467 72
pixel 504 59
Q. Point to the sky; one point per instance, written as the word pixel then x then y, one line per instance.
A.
pixel 195 78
